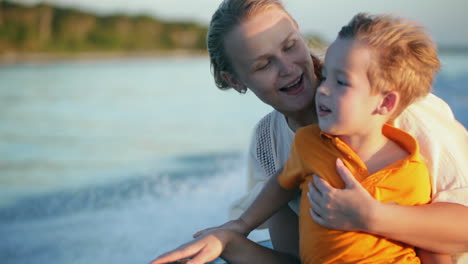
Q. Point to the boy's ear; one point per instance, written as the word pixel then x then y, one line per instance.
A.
pixel 389 103
pixel 233 82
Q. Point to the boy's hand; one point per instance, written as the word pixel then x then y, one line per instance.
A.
pixel 348 209
pixel 237 225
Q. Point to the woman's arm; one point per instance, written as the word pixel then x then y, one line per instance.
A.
pixel 428 257
pixel 232 246
pixel 438 227
pixel 269 201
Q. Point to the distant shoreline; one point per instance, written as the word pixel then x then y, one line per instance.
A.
pixel 44 57
pixel 453 49
pixel 13 58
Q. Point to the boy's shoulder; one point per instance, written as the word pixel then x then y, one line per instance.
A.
pixel 309 132
pixel 308 138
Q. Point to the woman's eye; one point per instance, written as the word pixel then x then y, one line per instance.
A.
pixel 262 66
pixel 290 45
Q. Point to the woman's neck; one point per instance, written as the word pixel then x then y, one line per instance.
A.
pixel 300 119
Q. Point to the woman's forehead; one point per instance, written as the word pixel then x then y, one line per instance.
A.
pixel 264 20
pixel 260 34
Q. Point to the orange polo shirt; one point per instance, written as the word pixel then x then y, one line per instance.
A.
pixel 405 182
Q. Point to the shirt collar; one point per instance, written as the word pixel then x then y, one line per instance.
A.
pixel 402 138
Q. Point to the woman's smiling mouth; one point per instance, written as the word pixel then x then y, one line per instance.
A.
pixel 295 87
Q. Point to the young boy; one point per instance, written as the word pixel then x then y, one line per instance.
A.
pixel 374 69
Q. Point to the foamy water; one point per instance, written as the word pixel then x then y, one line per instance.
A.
pixel 124 222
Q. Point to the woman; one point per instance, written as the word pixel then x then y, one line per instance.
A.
pixel 256 45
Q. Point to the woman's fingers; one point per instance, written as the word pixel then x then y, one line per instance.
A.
pixel 212 248
pixel 317 217
pixel 183 252
pixel 204 231
pixel 315 198
pixel 203 249
pixel 348 178
pixel 177 254
pixel 319 193
pixel 205 255
pixel 322 186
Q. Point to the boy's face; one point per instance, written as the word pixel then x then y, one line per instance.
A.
pixel 345 106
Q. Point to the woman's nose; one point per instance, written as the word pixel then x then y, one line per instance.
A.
pixel 285 67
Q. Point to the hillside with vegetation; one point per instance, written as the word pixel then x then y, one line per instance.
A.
pixel 44 31
pixel 50 29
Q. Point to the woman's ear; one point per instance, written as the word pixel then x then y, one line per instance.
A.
pixel 233 82
pixel 389 103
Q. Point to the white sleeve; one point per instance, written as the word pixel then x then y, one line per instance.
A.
pixel 256 176
pixel 255 173
pixel 443 143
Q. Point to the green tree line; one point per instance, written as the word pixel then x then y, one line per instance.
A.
pixel 47 28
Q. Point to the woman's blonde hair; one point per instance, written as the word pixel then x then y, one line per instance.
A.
pixel 229 14
pixel 404 58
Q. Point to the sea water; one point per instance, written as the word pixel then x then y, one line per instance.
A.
pixel 118 161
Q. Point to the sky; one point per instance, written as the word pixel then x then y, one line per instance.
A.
pixel 446 20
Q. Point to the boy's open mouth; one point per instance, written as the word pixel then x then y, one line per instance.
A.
pixel 323 110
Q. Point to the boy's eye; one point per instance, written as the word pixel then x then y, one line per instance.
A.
pixel 341 82
pixel 322 77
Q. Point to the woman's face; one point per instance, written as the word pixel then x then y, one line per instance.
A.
pixel 270 57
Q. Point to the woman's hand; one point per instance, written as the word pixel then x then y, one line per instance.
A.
pixel 423 226
pixel 203 249
pixel 237 225
pixel 234 247
pixel 348 209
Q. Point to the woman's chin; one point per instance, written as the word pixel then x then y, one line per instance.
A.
pixel 327 128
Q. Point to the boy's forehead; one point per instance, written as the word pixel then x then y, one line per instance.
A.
pixel 347 55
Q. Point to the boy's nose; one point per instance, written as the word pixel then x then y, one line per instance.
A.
pixel 323 89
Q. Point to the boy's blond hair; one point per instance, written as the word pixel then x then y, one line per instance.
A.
pixel 404 58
